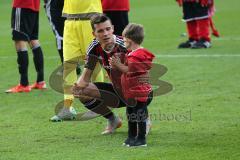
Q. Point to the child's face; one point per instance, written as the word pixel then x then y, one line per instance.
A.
pixel 127 42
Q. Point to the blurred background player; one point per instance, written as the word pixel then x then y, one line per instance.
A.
pixel 196 14
pixel 135 68
pixel 117 11
pixel 25 26
pixel 53 9
pixel 76 38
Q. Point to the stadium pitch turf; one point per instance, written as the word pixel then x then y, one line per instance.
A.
pixel 197 120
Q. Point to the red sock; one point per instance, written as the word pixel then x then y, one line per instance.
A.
pixel 203 29
pixel 192 30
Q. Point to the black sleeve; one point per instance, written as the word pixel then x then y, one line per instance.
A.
pixel 92 59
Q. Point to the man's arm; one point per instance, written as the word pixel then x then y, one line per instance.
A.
pixel 85 78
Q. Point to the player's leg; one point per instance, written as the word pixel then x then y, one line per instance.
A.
pixel 22 60
pixel 139 115
pixel 101 99
pixel 38 58
pixel 192 35
pixel 71 56
pixel 22 54
pixel 204 34
pixel 191 24
pixel 20 37
pixel 142 114
pixel 201 15
pixel 69 78
pixel 132 126
pixel 137 125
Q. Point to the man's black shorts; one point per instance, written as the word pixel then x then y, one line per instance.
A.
pixel 25 24
pixel 107 89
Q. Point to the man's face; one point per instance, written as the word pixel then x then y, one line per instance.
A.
pixel 104 33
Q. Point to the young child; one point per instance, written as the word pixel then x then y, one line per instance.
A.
pixel 136 89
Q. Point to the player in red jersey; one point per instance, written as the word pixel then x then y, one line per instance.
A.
pixel 197 15
pixel 135 83
pixel 117 11
pixel 34 5
pixel 25 26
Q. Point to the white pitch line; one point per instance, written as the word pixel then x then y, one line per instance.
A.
pixel 198 55
pixel 159 56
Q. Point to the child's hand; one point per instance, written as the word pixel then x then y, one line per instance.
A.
pixel 114 61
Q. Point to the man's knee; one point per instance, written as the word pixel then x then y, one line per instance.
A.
pixel 34 43
pixel 20 45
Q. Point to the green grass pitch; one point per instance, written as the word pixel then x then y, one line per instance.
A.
pixel 198 120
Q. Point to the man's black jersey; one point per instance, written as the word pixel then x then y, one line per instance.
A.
pixel 96 53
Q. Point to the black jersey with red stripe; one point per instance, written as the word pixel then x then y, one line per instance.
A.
pixel 96 53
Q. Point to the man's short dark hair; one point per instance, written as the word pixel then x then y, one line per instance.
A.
pixel 99 18
pixel 134 32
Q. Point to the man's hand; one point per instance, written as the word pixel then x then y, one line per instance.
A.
pixel 77 89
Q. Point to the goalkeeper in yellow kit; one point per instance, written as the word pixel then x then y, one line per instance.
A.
pixel 76 38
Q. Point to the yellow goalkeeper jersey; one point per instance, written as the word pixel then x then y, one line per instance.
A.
pixel 76 7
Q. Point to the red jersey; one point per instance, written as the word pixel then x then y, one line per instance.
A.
pixel 115 5
pixel 135 83
pixel 30 4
